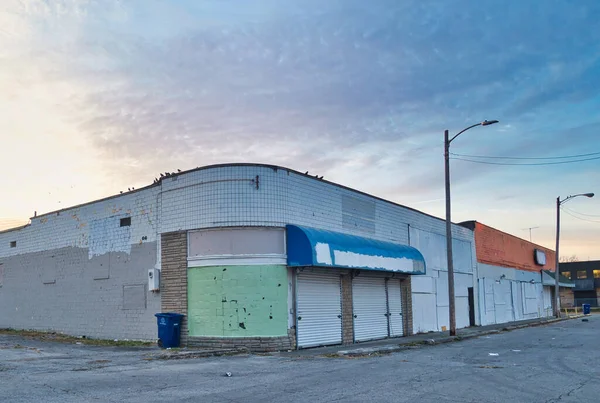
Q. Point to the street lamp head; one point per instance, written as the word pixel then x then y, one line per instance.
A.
pixel 488 122
pixel 588 194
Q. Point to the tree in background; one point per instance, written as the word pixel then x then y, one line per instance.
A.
pixel 568 259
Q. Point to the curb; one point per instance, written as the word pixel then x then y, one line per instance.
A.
pixel 368 351
pixel 181 355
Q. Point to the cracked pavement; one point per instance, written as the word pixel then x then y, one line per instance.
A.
pixel 552 363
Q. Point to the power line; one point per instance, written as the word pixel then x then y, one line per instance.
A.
pixel 579 218
pixel 526 158
pixel 516 164
pixel 577 212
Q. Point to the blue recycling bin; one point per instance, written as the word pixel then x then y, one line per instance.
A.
pixel 169 329
pixel 587 309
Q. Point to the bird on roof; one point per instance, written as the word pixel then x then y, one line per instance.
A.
pixel 178 170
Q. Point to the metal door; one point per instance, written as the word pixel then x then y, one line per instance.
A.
pixel 369 303
pixel 319 309
pixel 394 293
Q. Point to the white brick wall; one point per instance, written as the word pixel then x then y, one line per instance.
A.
pixel 212 197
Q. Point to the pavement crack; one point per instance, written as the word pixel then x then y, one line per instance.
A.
pixel 570 392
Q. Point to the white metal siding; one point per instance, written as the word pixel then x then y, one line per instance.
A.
pixel 547 301
pixel 319 309
pixel 395 308
pixel 370 308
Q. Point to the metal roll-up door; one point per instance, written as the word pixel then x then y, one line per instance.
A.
pixel 369 303
pixel 395 308
pixel 319 309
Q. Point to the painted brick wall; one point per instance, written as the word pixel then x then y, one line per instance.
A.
pixel 79 272
pixel 498 248
pixel 173 277
pixel 56 290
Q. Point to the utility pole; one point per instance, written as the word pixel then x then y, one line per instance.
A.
pixel 452 308
pixel 556 261
pixel 451 302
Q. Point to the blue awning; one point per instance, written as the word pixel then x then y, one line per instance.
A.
pixel 315 247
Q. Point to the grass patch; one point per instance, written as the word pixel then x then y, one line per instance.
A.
pixel 331 355
pixel 63 338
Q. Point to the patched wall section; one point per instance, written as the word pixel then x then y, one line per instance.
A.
pixel 60 290
pixel 238 301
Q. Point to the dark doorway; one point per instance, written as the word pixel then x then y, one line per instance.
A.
pixel 471 307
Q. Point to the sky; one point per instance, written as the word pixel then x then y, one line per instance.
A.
pixel 98 96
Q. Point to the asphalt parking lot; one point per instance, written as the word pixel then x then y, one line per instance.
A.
pixel 551 363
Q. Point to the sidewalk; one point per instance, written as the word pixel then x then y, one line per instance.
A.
pixel 384 346
pixel 402 343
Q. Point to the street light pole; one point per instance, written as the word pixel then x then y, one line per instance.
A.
pixel 556 261
pixel 451 302
pixel 452 309
pixel 556 258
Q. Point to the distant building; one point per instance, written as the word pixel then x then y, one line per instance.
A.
pixel 515 277
pixel 586 276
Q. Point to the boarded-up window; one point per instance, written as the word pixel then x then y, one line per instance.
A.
pixel 134 296
pixel 237 242
pixel 99 266
pixel 49 269
pixel 530 298
pixel 358 214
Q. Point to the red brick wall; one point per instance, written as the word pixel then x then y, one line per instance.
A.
pixel 501 249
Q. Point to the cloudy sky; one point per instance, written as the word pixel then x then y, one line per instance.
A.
pixel 96 96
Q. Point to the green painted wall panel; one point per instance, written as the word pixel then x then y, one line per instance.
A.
pixel 238 301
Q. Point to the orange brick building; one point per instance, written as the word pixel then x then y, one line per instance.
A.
pixel 514 276
pixel 498 248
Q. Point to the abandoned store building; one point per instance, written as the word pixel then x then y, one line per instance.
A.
pixel 253 255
